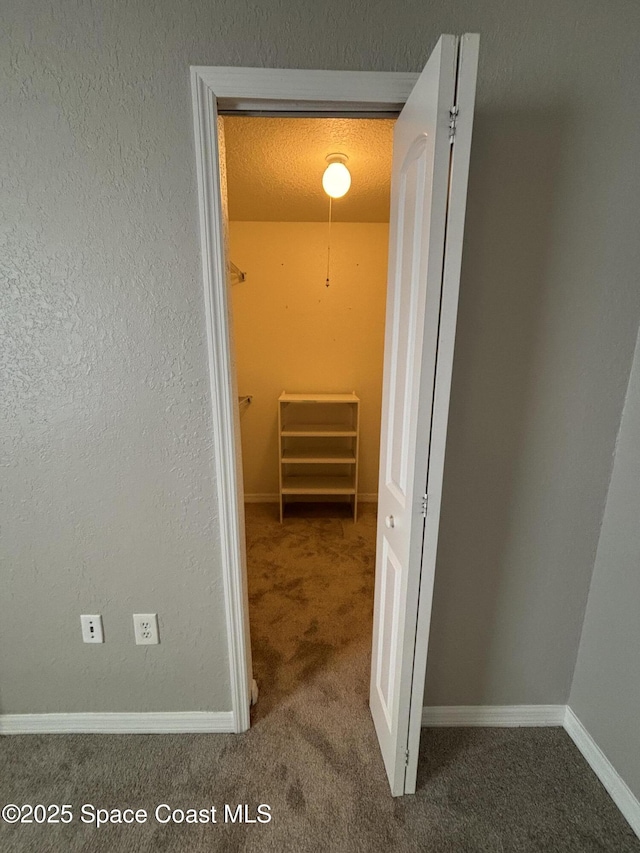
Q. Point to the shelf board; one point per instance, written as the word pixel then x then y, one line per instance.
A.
pixel 336 430
pixel 310 485
pixel 318 398
pixel 313 455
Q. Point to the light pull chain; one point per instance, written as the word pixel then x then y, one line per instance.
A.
pixel 326 284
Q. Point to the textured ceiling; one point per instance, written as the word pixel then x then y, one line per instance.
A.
pixel 275 167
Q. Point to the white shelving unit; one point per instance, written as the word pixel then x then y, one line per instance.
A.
pixel 318 446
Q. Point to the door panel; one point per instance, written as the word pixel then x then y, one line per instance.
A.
pixel 387 649
pixel 425 248
pixel 413 173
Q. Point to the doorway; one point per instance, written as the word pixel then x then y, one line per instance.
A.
pixel 307 295
pixel 432 145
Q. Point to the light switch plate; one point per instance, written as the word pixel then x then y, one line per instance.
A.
pixel 92 628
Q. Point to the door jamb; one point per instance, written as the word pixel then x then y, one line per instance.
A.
pixel 242 90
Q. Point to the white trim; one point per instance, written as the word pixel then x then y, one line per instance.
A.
pixel 297 90
pixel 286 91
pixel 118 723
pixel 224 402
pixel 494 715
pixel 614 784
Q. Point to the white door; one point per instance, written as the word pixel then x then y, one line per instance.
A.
pixel 428 196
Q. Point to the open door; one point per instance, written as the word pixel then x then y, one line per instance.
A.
pixel 432 141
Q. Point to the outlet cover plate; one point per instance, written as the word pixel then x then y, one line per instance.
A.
pixel 92 628
pixel 145 627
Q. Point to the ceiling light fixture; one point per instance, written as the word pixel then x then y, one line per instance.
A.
pixel 336 182
pixel 337 178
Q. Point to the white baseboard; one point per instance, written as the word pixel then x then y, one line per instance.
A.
pixel 365 498
pixel 615 786
pixel 118 723
pixel 494 715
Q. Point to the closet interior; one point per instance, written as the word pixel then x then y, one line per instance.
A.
pixel 307 285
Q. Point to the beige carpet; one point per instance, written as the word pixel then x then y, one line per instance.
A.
pixel 311 753
pixel 310 601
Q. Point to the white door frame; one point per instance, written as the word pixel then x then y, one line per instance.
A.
pixel 271 90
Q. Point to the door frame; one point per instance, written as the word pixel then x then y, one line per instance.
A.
pixel 288 92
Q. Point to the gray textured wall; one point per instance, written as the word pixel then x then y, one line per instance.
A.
pixel 108 494
pixel 606 687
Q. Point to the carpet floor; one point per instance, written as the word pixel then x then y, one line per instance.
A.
pixel 311 754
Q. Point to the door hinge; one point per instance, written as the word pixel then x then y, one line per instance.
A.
pixel 453 120
pixel 425 505
pixel 406 758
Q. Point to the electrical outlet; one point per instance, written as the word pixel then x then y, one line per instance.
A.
pixel 92 629
pixel 145 627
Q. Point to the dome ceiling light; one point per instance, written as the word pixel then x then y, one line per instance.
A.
pixel 337 178
pixel 336 181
